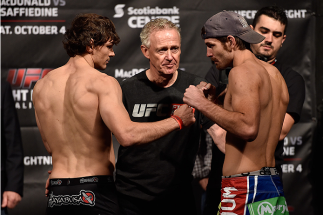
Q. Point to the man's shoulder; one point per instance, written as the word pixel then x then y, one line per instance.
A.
pixel 136 78
pixel 189 77
pixel 287 71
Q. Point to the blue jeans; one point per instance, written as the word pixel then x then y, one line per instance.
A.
pixel 4 211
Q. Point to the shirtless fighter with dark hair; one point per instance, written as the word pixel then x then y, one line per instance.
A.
pixel 77 109
pixel 252 114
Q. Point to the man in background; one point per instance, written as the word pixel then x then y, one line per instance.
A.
pixel 12 166
pixel 271 22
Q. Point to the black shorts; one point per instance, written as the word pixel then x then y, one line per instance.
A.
pixel 85 195
pixel 179 201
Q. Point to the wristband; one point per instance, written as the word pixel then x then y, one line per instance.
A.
pixel 178 120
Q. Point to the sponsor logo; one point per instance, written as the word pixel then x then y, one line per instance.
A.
pixel 24 77
pixel 140 16
pixel 120 73
pixel 85 197
pixel 84 180
pixel 228 198
pixel 22 81
pixel 291 13
pixel 119 11
pixel 58 182
pixel 269 206
pixel 145 110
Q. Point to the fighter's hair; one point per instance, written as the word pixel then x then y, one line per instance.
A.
pixel 241 44
pixel 275 12
pixel 156 25
pixel 89 30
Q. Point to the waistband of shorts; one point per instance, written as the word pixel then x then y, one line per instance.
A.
pixel 82 180
pixel 263 171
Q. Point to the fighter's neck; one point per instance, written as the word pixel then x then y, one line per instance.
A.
pixel 84 60
pixel 240 56
pixel 160 79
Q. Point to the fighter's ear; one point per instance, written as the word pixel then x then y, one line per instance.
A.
pixel 231 41
pixel 145 51
pixel 89 48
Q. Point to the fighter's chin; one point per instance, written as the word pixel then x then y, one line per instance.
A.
pixel 219 67
pixel 100 67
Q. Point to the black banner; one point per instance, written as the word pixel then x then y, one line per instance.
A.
pixel 31 46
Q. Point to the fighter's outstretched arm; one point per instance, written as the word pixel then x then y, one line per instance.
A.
pixel 118 121
pixel 243 120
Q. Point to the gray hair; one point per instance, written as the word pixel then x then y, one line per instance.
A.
pixel 156 25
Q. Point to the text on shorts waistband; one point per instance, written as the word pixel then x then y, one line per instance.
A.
pixel 81 180
pixel 262 171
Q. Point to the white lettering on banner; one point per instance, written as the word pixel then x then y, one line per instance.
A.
pixel 24 105
pixel 27 29
pixel 140 21
pixel 291 13
pixel 293 141
pixel 152 11
pixel 25 2
pixel 295 13
pixel 31 2
pixel 37 160
pixel 29 12
pixel 5 29
pixel 135 21
pixel 20 95
pixel 120 73
pixel 248 14
pixel 292 168
pixel 289 151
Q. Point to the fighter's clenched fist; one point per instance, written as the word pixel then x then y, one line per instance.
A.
pixel 193 96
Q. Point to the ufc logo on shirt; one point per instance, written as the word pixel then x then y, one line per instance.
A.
pixel 145 110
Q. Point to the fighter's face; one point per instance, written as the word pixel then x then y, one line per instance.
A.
pixel 273 31
pixel 218 53
pixel 164 51
pixel 101 55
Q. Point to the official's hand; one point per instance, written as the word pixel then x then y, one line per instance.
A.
pixel 186 114
pixel 47 184
pixel 10 199
pixel 203 182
